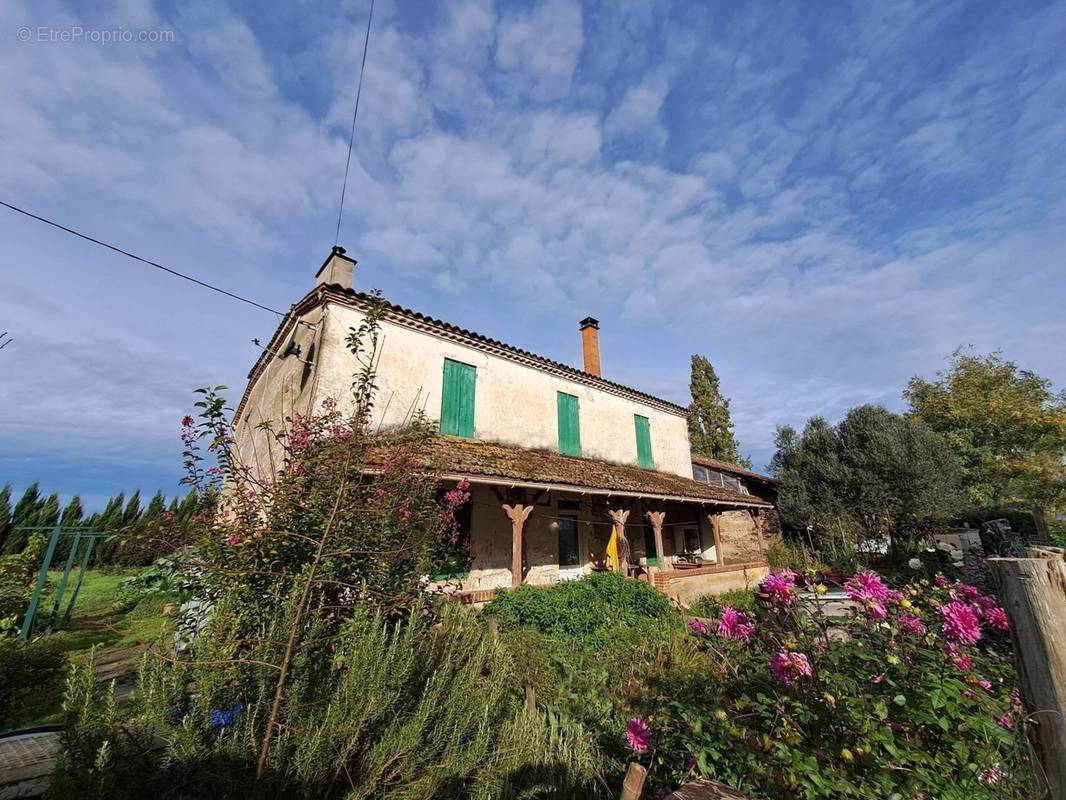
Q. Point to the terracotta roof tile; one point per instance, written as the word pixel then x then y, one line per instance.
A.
pixel 470 458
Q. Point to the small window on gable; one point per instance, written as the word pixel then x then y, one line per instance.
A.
pixel 643 429
pixel 699 472
pixel 457 399
pixel 730 482
pixel 569 424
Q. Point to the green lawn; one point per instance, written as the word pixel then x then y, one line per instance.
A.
pixel 100 619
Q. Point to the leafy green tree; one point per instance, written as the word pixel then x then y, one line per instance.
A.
pixel 710 427
pixel 1006 424
pixel 876 473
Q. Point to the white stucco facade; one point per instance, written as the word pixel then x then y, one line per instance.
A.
pixel 515 402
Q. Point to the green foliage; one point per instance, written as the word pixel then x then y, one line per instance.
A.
pixel 874 474
pixel 581 609
pixel 710 427
pixel 17 575
pixel 710 605
pixel 25 668
pixel 785 554
pixel 1006 424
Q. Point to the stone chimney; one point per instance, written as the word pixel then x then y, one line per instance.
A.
pixel 590 345
pixel 337 269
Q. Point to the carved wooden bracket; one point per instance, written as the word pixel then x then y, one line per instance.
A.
pixel 518 514
pixel 619 517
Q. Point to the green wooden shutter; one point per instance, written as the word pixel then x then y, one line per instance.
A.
pixel 457 399
pixel 643 441
pixel 569 425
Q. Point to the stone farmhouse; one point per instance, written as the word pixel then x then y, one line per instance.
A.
pixel 570 472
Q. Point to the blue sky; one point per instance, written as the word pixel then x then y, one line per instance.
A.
pixel 824 199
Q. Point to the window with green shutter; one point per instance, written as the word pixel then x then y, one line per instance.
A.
pixel 643 441
pixel 457 399
pixel 569 425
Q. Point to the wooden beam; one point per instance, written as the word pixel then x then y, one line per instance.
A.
pixel 759 522
pixel 1033 592
pixel 620 559
pixel 655 519
pixel 518 514
pixel 716 531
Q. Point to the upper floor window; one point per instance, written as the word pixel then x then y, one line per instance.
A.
pixel 643 427
pixel 569 425
pixel 716 478
pixel 457 399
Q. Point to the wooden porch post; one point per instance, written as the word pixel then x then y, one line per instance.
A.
pixel 716 531
pixel 760 529
pixel 518 515
pixel 620 559
pixel 656 519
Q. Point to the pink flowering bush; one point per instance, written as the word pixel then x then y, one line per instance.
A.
pixel 878 703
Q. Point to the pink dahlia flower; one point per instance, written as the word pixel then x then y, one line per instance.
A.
pixel 996 618
pixel 1006 721
pixel 968 591
pixel 940 580
pixel 781 586
pixel 788 667
pixel 233 539
pixel 638 734
pixel 964 663
pixel 911 624
pixel 698 626
pixel 735 625
pixel 960 623
pixel 868 587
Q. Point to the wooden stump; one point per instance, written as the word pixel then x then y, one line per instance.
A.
pixel 1033 592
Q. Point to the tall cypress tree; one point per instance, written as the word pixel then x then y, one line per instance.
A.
pixel 48 514
pixel 73 513
pixel 710 428
pixel 5 514
pixel 133 510
pixel 25 514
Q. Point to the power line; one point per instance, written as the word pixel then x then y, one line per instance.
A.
pixel 135 257
pixel 351 138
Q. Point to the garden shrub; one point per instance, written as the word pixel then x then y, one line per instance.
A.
pixel 710 605
pixel 584 608
pixel 25 667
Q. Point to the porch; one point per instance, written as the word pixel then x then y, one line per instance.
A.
pixel 543 536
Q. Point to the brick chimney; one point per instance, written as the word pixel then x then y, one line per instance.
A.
pixel 590 345
pixel 337 269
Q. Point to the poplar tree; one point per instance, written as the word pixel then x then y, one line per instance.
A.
pixel 710 428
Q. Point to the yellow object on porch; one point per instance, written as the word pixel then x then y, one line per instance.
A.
pixel 612 550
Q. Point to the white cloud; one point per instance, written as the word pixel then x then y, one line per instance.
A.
pixel 539 49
